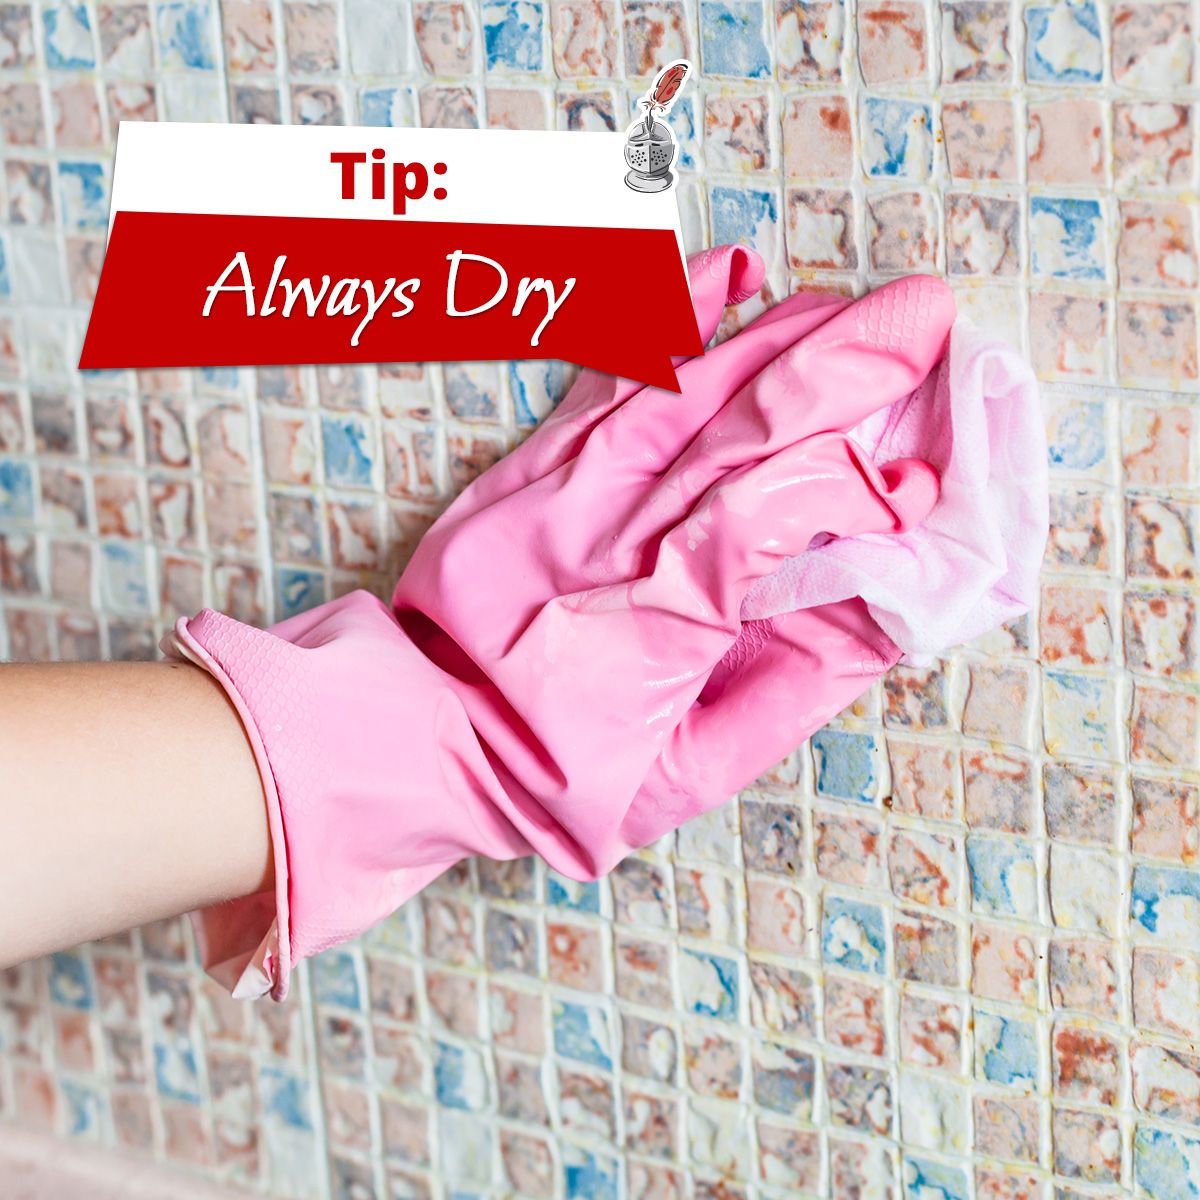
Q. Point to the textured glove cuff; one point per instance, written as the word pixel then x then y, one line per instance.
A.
pixel 243 943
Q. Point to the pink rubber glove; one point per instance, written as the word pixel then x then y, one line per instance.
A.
pixel 541 680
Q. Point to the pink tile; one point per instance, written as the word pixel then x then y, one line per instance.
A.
pixel 1152 46
pixel 855 1016
pixel 820 230
pixel 21 122
pixel 77 121
pixel 926 779
pixel 1160 538
pixel 454 1001
pixel 983 235
pixel 980 139
pixel 656 32
pixel 931 1033
pixel 449 108
pixel 1084 976
pixel 517 108
pixel 1166 992
pixel 130 102
pixel 1004 965
pixel 249 35
pixel 1161 634
pixel 575 956
pixel 1076 626
pixel 1165 727
pixel 1157 247
pixel 125 42
pixel 775 916
pixel 999 790
pixel 847 850
pixel 1160 444
pixel 1065 142
pixel 924 867
pixel 737 132
pixel 1008 1127
pixel 1166 820
pixel 1087 1065
pixel 975 42
pixel 317 104
pixel 1153 142
pixel 584 36
pixel 312 37
pixel 1069 336
pixel 1156 341
pixel 817 142
pixel 528 1163
pixel 809 39
pixel 892 41
pixel 902 233
pixel 445 36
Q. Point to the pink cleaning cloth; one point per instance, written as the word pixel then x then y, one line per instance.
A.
pixel 973 563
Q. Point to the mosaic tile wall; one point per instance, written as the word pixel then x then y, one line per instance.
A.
pixel 951 948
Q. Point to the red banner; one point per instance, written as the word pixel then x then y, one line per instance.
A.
pixel 186 290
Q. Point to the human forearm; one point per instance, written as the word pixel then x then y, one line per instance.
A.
pixel 128 793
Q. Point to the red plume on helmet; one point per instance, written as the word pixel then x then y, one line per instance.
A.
pixel 668 83
pixel 662 95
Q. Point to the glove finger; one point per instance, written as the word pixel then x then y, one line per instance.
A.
pixel 717 277
pixel 828 376
pixel 654 427
pixel 754 519
pixel 796 672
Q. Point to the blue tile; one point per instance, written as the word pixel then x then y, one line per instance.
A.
pixel 1066 237
pixel 1064 43
pixel 846 764
pixel 71 981
pixel 1076 437
pixel 124 585
pixel 185 34
pixel 733 38
pixel 224 379
pixel 588 1176
pixel 458 1077
pixel 852 935
pixel 84 190
pixel 388 107
pixel 347 442
pixel 175 1072
pixel 69 41
pixel 739 214
pixel 537 387
pixel 1006 1050
pixel 926 1180
pixel 297 590
pixel 896 139
pixel 1166 1165
pixel 16 490
pixel 82 1108
pixel 285 1098
pixel 1166 902
pixel 784 1084
pixel 513 35
pixel 1003 876
pixel 570 893
pixel 335 980
pixel 471 391
pixel 5 278
pixel 581 1032
pixel 719 998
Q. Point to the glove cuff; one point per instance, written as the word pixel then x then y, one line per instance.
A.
pixel 244 943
